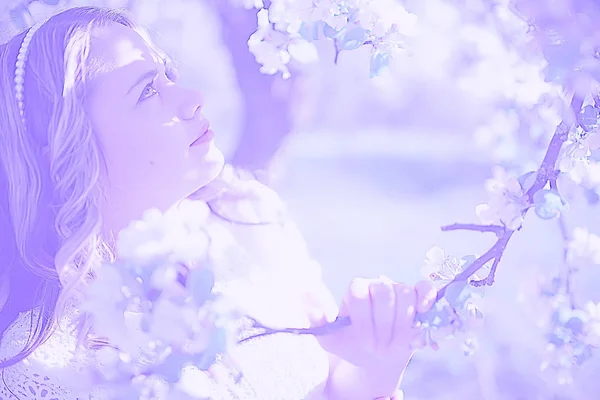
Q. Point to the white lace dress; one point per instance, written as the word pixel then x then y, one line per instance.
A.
pixel 269 270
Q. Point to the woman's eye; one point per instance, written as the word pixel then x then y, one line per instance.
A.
pixel 149 91
pixel 171 73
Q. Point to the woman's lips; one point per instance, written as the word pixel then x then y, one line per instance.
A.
pixel 205 137
pixel 206 134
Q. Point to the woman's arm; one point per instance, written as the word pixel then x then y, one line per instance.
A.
pixel 282 246
pixel 347 381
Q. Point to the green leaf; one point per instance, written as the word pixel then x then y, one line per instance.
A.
pixel 589 117
pixel 330 32
pixel 309 31
pixel 548 203
pixel 379 61
pixel 457 294
pixel 171 368
pixel 200 283
pixel 353 38
pixel 217 345
pixel 527 180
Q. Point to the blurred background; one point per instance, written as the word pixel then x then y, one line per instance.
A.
pixel 372 168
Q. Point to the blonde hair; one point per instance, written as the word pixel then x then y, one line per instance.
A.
pixel 50 173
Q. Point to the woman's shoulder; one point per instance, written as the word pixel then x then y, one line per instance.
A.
pixel 260 222
pixel 254 213
pixel 245 200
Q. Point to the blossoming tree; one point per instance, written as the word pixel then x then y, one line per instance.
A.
pixel 541 60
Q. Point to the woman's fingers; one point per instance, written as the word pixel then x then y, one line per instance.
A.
pixel 322 307
pixel 382 314
pixel 383 303
pixel 426 295
pixel 406 298
pixel 358 305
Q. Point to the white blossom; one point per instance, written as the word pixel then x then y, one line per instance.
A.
pixel 442 268
pixel 175 235
pixel 583 248
pixel 506 202
pixel 593 324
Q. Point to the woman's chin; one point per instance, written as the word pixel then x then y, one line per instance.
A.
pixel 209 169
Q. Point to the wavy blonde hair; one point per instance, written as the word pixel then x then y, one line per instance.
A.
pixel 50 173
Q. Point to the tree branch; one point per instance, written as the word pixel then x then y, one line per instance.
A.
pixel 489 280
pixel 497 229
pixel 494 252
pixel 546 172
pixel 568 274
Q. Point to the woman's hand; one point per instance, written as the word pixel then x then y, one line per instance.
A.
pixel 379 339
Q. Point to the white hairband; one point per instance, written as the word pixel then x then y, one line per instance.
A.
pixel 20 69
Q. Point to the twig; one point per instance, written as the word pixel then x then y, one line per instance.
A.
pixel 569 287
pixel 564 232
pixel 337 52
pixel 496 251
pixel 545 173
pixel 340 322
pixel 497 229
pixel 488 280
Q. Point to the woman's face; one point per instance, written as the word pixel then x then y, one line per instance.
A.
pixel 146 124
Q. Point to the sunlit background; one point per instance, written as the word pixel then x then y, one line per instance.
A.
pixel 372 168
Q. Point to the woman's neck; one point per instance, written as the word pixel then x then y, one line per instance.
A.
pixel 124 208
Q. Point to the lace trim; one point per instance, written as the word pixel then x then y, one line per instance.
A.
pixel 52 370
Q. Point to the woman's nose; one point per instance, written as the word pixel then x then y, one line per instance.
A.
pixel 192 103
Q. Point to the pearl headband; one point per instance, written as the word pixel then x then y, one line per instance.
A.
pixel 20 69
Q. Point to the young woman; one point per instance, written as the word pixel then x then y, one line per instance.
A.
pixel 95 130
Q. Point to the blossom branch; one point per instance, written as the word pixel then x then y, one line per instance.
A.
pixel 568 269
pixel 547 172
pixel 495 252
pixel 497 229
pixel 328 328
pixel 489 280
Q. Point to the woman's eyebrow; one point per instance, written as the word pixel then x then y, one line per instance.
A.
pixel 148 75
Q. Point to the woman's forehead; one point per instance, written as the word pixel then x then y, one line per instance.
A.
pixel 116 53
pixel 117 46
